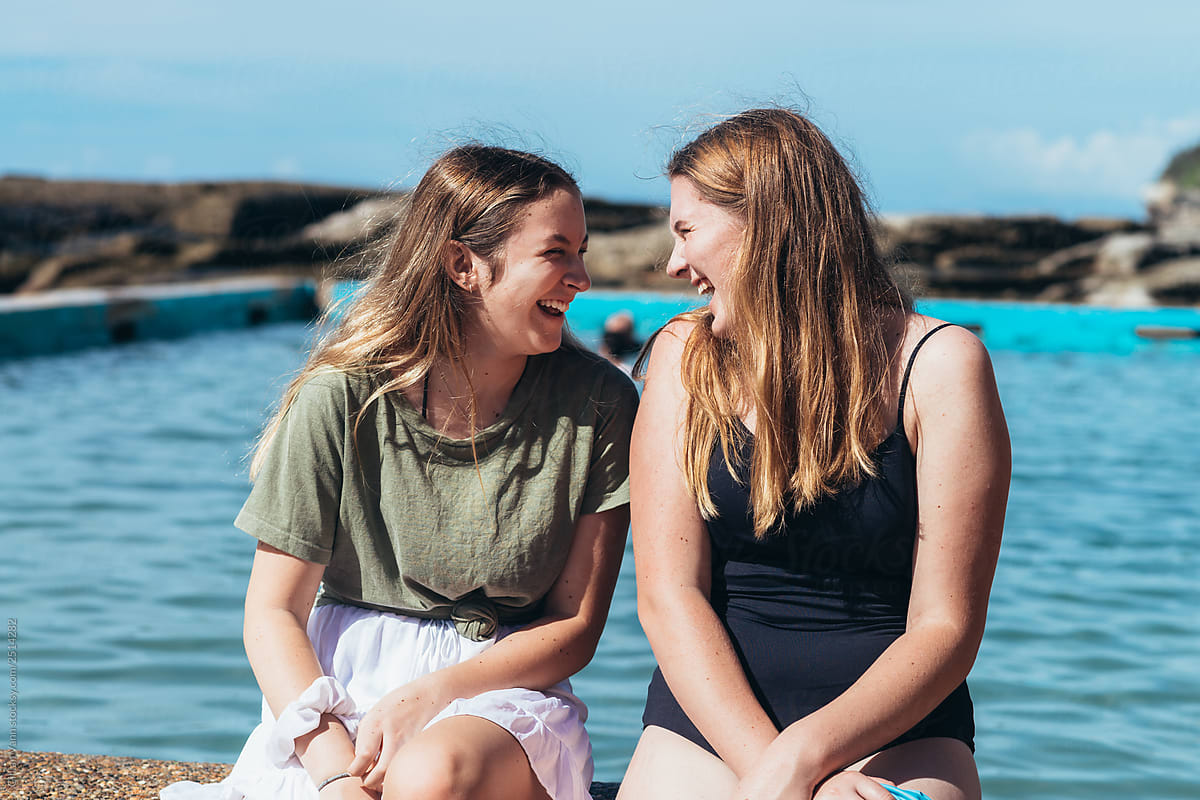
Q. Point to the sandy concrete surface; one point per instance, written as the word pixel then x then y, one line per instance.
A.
pixel 59 776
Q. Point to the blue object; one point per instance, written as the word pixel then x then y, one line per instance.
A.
pixel 906 794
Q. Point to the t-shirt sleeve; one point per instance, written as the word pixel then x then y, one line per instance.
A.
pixel 294 504
pixel 608 473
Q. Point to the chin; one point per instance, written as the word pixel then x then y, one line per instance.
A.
pixel 718 325
pixel 547 345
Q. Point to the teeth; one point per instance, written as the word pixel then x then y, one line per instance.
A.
pixel 704 288
pixel 555 305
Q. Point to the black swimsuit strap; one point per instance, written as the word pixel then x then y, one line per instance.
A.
pixel 912 358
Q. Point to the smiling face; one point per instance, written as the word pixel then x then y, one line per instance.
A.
pixel 707 240
pixel 521 297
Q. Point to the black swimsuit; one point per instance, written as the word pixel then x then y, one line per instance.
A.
pixel 812 605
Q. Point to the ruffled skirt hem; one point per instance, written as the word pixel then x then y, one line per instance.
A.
pixel 369 653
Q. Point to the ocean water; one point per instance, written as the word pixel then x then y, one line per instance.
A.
pixel 122 577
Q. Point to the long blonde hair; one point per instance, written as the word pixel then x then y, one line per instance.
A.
pixel 806 350
pixel 410 314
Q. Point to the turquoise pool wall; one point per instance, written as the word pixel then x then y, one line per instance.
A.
pixel 73 320
pixel 1031 327
pixel 58 322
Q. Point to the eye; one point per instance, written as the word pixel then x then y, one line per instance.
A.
pixel 555 251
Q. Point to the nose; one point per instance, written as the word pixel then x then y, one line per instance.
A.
pixel 577 277
pixel 677 265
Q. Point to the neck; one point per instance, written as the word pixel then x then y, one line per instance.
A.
pixel 489 379
pixel 483 373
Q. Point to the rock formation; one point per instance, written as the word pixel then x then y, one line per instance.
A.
pixel 1173 202
pixel 60 234
pixel 71 234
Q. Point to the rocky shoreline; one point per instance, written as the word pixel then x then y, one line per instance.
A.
pixel 60 776
pixel 76 234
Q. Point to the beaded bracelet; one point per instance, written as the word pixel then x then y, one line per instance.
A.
pixel 331 779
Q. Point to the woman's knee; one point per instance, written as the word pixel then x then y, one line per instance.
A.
pixel 432 771
pixel 666 766
pixel 942 768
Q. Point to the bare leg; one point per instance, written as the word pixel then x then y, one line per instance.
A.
pixel 942 768
pixel 462 758
pixel 666 766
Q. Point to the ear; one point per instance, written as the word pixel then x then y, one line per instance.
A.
pixel 460 264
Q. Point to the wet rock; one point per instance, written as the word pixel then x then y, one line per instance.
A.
pixel 978 240
pixel 61 234
pixel 1173 203
pixel 1120 255
pixel 1174 282
pixel 604 216
pixel 1072 262
pixel 357 224
pixel 633 256
pixel 76 234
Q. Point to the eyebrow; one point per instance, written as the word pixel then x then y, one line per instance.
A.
pixel 558 237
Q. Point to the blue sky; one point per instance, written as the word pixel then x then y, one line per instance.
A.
pixel 1063 107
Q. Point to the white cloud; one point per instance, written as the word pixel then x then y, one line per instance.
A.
pixel 1114 162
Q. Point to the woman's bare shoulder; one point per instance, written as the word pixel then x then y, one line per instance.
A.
pixel 676 332
pixel 666 348
pixel 952 350
pixel 951 377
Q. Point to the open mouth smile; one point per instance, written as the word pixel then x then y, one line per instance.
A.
pixel 555 308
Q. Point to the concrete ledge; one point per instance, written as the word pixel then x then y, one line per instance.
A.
pixel 71 319
pixel 59 776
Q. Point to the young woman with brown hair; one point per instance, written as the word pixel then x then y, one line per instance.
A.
pixel 452 472
pixel 816 548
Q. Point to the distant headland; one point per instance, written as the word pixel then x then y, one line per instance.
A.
pixel 72 234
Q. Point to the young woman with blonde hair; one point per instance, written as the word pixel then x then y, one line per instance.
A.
pixel 819 479
pixel 452 472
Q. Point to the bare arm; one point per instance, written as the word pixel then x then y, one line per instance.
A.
pixel 278 601
pixel 538 656
pixel 672 553
pixel 963 469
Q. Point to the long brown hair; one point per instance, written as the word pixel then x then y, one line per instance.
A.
pixel 806 348
pixel 410 314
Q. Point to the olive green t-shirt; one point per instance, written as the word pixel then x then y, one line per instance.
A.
pixel 406 520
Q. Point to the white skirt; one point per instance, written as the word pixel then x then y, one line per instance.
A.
pixel 368 654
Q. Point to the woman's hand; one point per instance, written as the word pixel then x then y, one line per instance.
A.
pixel 782 772
pixel 398 716
pixel 780 780
pixel 851 785
pixel 773 784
